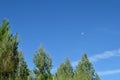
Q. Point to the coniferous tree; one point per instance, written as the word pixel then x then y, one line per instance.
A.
pixel 97 77
pixel 65 71
pixel 43 63
pixel 22 70
pixel 31 75
pixel 8 52
pixel 84 70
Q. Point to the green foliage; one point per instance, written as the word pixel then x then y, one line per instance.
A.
pixel 43 63
pixel 65 71
pixel 14 67
pixel 97 77
pixel 31 75
pixel 84 70
pixel 8 51
pixel 22 70
pixel 12 64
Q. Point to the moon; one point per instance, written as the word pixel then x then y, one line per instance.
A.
pixel 82 33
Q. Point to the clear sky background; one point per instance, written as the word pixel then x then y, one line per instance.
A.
pixel 67 28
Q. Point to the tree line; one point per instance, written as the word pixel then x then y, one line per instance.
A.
pixel 14 67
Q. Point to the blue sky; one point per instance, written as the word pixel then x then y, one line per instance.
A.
pixel 67 28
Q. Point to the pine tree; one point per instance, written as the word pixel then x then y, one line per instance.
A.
pixel 65 71
pixel 84 70
pixel 97 77
pixel 22 71
pixel 8 52
pixel 43 63
pixel 31 75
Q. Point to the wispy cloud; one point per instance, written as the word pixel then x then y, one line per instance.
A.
pixel 110 72
pixel 104 55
